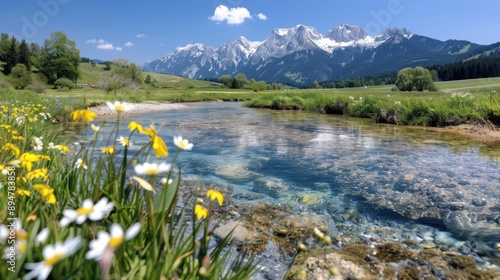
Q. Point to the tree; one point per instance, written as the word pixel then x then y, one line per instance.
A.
pixel 226 80
pixel 12 56
pixel 404 79
pixel 419 79
pixel 20 76
pixel 107 65
pixel 60 58
pixel 36 55
pixel 239 81
pixel 92 63
pixel 4 46
pixel 25 54
pixel 316 85
pixel 147 80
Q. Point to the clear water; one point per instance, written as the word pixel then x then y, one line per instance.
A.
pixel 390 173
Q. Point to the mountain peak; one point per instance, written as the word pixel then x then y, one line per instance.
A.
pixel 346 33
pixel 396 33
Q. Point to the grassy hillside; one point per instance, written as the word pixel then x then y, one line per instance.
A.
pixel 93 74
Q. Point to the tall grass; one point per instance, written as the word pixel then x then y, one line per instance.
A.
pixel 88 211
pixel 422 109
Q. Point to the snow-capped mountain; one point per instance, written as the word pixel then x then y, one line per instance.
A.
pixel 300 55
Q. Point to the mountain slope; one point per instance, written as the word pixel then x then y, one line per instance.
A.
pixel 301 55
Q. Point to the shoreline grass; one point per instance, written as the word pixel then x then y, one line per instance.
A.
pixel 115 212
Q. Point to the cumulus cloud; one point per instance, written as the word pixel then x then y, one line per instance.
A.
pixel 103 44
pixel 140 35
pixel 96 41
pixel 231 15
pixel 262 16
pixel 108 46
pixel 129 44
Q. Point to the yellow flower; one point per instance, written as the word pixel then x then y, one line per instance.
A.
pixel 27 160
pixel 46 193
pixel 22 192
pixel 135 126
pixel 108 150
pixel 158 145
pixel 200 211
pixel 37 173
pixel 13 148
pixel 83 115
pixel 213 195
pixel 63 148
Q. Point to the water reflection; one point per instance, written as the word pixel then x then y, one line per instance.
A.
pixel 420 174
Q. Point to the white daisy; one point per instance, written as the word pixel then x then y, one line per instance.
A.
pixel 95 128
pixel 152 168
pixel 119 106
pixel 87 211
pixel 182 143
pixel 110 241
pixel 37 143
pixel 80 164
pixel 52 254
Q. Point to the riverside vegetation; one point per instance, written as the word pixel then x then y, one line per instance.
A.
pixel 114 212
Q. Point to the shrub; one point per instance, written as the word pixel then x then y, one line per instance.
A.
pixel 37 87
pixel 64 83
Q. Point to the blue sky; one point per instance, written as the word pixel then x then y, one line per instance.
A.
pixel 146 30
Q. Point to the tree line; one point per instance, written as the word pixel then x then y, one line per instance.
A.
pixel 57 58
pixel 470 69
pixel 240 81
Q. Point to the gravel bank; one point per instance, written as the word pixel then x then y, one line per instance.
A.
pixel 140 108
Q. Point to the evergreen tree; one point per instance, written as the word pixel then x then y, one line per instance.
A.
pixel 24 54
pixel 12 57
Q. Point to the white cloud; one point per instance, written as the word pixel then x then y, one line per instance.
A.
pixel 232 16
pixel 129 44
pixel 107 46
pixel 95 41
pixel 262 16
pixel 140 36
pixel 103 44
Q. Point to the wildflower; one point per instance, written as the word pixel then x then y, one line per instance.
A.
pixel 46 193
pixel 63 148
pixel 95 128
pixel 37 173
pixel 108 150
pixel 106 241
pixel 13 148
pixel 213 195
pixel 52 254
pixel 83 115
pixel 200 211
pixel 124 141
pixel 119 106
pixel 88 210
pixel 27 160
pixel 182 144
pixel 42 236
pixel 158 145
pixel 80 164
pixel 152 168
pixel 22 192
pixel 135 126
pixel 165 181
pixel 20 120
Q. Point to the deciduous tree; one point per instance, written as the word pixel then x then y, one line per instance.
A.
pixel 60 58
